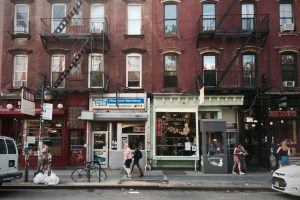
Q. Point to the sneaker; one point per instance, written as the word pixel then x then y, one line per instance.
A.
pixel 242 173
pixel 233 173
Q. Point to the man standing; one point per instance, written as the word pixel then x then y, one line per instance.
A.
pixel 137 155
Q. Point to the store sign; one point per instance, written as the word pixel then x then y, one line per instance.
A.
pixel 282 113
pixel 47 111
pixel 87 115
pixel 115 103
pixel 27 102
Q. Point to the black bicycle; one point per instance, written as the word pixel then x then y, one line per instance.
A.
pixel 95 169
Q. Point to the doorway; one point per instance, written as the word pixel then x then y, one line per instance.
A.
pixel 100 146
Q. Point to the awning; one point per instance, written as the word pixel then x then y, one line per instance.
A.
pixel 118 116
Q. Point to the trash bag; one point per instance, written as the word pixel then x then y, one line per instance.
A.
pixel 40 178
pixel 52 179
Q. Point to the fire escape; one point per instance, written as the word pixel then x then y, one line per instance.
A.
pixel 245 30
pixel 87 35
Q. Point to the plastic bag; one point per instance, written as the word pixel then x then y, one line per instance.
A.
pixel 40 178
pixel 52 179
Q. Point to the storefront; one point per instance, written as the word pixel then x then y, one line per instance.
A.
pixel 113 121
pixel 176 135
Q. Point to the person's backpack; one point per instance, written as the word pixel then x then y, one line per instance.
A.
pixel 139 154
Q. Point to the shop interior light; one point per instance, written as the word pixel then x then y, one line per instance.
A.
pixel 9 106
pixel 271 123
pixel 281 121
pixel 60 106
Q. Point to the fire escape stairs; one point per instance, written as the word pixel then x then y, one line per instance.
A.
pixel 73 62
pixel 67 19
pixel 237 53
pixel 225 14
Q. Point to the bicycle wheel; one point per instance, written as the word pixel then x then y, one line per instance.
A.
pixel 102 172
pixel 79 174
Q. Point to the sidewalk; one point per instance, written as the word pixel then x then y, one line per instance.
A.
pixel 156 179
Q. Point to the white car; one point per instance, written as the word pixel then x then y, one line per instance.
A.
pixel 287 179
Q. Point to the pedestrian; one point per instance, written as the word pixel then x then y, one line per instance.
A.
pixel 137 155
pixel 283 153
pixel 236 153
pixel 127 159
pixel 45 151
pixel 242 158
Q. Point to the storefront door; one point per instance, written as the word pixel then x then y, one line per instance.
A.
pixel 77 151
pixel 100 146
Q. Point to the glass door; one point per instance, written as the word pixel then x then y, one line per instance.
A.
pixel 100 146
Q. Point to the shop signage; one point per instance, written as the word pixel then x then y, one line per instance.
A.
pixel 27 102
pixel 47 111
pixel 282 113
pixel 87 115
pixel 115 103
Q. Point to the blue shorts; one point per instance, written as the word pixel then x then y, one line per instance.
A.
pixel 284 160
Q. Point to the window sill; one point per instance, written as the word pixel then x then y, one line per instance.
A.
pixel 171 90
pixel 292 33
pixel 20 35
pixel 141 36
pixel 172 35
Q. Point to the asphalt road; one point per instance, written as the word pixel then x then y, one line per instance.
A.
pixel 124 194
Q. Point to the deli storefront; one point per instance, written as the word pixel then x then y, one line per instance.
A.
pixel 113 121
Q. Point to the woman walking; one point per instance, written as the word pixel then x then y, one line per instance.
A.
pixel 236 153
pixel 283 153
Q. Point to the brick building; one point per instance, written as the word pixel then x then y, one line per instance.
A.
pixel 133 71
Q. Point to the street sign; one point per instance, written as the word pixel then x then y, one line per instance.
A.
pixel 47 111
pixel 27 102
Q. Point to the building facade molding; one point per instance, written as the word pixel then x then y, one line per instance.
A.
pixel 58 1
pixel 172 50
pixel 20 51
pixel 287 48
pixel 170 1
pixel 57 51
pixel 21 1
pixel 133 1
pixel 209 50
pixel 95 1
pixel 252 49
pixel 134 50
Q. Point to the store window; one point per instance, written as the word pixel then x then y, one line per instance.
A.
pixel 133 134
pixel 52 136
pixel 175 134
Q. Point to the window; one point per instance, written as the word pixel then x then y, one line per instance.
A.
pixel 175 134
pixel 170 18
pixel 11 147
pixel 248 70
pixel 134 134
pixel 20 70
pixel 21 22
pixel 209 70
pixel 134 19
pixel 170 70
pixel 58 13
pixel 77 19
pixel 286 17
pixel 96 70
pixel 288 67
pixel 57 67
pixel 209 17
pixel 97 18
pixel 247 16
pixel 134 70
pixel 3 149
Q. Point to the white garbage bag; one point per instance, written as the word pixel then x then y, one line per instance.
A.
pixel 52 179
pixel 40 178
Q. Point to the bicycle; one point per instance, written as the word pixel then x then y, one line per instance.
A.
pixel 95 169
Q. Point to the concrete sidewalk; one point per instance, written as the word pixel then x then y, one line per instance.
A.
pixel 156 179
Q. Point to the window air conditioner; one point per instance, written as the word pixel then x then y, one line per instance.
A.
pixel 18 84
pixel 288 83
pixel 209 28
pixel 288 27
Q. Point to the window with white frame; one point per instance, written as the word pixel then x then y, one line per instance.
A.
pixel 209 70
pixel 134 70
pixel 288 69
pixel 57 68
pixel 248 16
pixel 21 22
pixel 170 19
pixel 96 71
pixel 20 70
pixel 97 18
pixel 134 19
pixel 249 72
pixel 58 13
pixel 286 17
pixel 209 16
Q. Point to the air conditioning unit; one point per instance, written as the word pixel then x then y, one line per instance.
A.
pixel 18 84
pixel 288 27
pixel 209 28
pixel 288 83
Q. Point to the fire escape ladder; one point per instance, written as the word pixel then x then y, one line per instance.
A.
pixel 73 62
pixel 67 19
pixel 237 53
pixel 225 14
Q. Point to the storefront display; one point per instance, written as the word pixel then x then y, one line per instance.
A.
pixel 175 134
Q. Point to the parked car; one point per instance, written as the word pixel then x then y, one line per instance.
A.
pixel 287 179
pixel 9 160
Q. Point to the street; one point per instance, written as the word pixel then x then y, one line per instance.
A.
pixel 124 194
